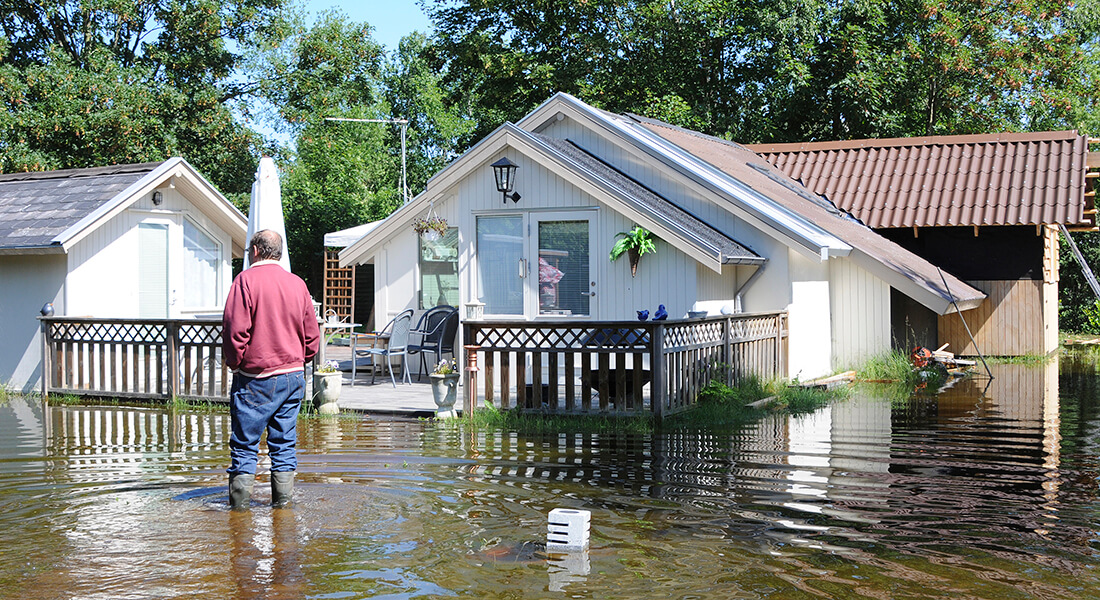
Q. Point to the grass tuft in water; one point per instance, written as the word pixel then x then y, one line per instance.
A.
pixel 721 405
pixel 490 417
pixel 1037 360
pixel 891 366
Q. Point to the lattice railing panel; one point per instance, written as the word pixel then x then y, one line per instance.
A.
pixel 144 358
pixel 615 367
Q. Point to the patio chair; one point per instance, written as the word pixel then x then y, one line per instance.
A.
pixel 438 328
pixel 398 331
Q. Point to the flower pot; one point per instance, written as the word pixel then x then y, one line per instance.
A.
pixel 632 254
pixel 445 392
pixel 326 392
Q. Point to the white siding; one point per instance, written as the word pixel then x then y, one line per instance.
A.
pixel 808 319
pixel 860 314
pixel 395 271
pixel 26 284
pixel 103 267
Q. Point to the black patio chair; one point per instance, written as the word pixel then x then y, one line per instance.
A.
pixel 437 329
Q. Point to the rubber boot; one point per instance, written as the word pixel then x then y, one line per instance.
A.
pixel 282 487
pixel 240 490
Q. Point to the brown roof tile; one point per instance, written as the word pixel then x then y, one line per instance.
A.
pixel 992 179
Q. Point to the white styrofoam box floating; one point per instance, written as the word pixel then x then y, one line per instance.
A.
pixel 567 530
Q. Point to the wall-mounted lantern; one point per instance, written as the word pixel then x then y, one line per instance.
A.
pixel 158 198
pixel 504 171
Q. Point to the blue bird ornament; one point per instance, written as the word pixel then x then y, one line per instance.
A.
pixel 661 313
pixel 643 315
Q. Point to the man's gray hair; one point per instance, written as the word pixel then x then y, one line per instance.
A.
pixel 267 244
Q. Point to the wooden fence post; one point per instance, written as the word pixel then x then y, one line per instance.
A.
pixel 172 332
pixel 727 349
pixel 469 395
pixel 47 364
pixel 657 360
pixel 469 398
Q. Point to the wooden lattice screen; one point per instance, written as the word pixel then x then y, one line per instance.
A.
pixel 339 287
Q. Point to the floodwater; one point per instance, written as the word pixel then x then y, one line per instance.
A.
pixel 988 490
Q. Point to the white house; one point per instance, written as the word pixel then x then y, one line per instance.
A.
pixel 152 240
pixel 736 234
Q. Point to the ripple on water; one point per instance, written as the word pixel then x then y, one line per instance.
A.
pixel 979 496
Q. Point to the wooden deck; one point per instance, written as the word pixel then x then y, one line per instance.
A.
pixel 382 397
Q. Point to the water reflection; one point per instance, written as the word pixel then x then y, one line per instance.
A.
pixel 266 555
pixel 987 490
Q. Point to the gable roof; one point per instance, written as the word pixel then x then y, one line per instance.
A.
pixel 963 180
pixel 48 212
pixel 672 224
pixel 909 273
pixel 742 200
pixel 730 175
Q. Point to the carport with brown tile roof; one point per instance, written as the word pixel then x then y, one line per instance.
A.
pixel 984 207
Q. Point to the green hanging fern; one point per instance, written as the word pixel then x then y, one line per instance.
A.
pixel 638 239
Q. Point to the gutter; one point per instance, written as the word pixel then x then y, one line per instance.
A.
pixel 53 248
pixel 745 286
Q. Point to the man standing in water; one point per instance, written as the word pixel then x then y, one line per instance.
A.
pixel 269 332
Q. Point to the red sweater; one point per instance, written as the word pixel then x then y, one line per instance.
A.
pixel 268 326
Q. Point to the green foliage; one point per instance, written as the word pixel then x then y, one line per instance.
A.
pixel 891 366
pixel 636 239
pixel 780 71
pixel 490 417
pixel 92 83
pixel 1077 310
pixel 797 400
pixel 1092 318
pixel 749 389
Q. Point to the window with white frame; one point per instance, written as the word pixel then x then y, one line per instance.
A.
pixel 201 266
pixel 439 270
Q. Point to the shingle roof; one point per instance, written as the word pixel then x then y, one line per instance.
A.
pixel 36 207
pixel 993 179
pixel 658 206
pixel 742 164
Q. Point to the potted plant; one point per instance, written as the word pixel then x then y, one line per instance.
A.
pixel 445 388
pixel 635 243
pixel 431 228
pixel 327 381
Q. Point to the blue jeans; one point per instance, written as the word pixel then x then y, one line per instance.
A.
pixel 270 403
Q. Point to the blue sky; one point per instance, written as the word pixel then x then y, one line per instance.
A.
pixel 391 19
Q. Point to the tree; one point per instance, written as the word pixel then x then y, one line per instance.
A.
pixel 336 175
pixel 92 83
pixel 780 70
pixel 415 91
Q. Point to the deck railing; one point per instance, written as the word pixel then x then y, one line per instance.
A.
pixel 619 367
pixel 134 358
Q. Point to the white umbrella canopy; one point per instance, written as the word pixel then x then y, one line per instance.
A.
pixel 265 210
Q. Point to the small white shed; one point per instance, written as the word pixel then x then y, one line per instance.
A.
pixel 736 234
pixel 153 240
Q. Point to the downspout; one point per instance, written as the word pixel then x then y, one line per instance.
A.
pixel 744 287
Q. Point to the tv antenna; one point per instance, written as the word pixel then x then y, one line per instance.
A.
pixel 404 124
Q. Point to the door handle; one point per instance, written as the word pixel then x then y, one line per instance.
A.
pixel 589 294
pixel 523 268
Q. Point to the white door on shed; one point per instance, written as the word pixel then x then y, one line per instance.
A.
pixel 152 270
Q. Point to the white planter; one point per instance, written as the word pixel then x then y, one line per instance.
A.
pixel 445 392
pixel 326 392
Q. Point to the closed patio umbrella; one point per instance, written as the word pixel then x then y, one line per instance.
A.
pixel 265 210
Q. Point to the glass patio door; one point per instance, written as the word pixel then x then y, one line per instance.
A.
pixel 501 265
pixel 562 272
pixel 536 265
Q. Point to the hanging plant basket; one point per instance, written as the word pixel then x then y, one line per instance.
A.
pixel 430 228
pixel 634 244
